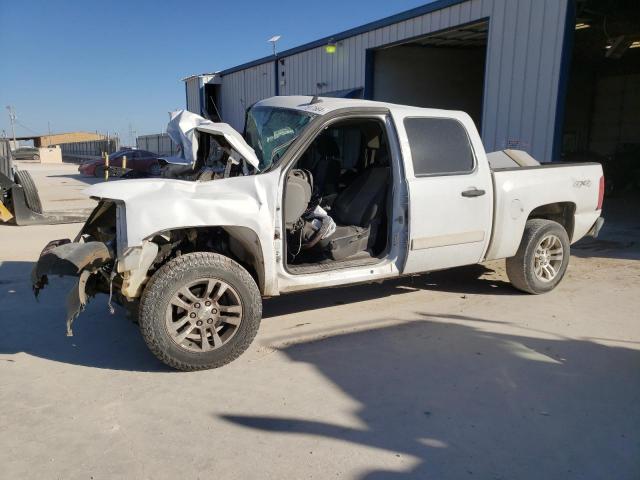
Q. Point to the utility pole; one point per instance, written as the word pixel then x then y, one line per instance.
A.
pixel 12 120
pixel 132 135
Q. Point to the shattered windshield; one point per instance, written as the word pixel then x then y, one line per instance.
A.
pixel 270 131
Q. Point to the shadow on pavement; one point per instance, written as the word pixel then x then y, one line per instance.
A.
pixel 37 328
pixel 620 236
pixel 461 280
pixel 112 341
pixel 467 403
pixel 78 176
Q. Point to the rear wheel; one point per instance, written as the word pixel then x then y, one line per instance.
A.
pixel 542 258
pixel 155 170
pixel 200 310
pixel 23 178
pixel 36 157
pixel 99 171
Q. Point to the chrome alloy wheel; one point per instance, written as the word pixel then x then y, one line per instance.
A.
pixel 548 257
pixel 203 315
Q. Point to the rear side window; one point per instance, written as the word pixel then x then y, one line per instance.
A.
pixel 438 146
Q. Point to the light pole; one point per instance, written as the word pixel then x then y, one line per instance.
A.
pixel 132 135
pixel 273 40
pixel 12 120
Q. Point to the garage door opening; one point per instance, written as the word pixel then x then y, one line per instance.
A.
pixel 602 112
pixel 442 70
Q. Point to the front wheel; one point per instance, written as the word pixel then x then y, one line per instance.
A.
pixel 542 258
pixel 200 310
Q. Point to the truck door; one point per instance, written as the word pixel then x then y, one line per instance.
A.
pixel 450 191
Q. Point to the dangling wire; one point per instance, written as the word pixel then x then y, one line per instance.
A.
pixel 299 246
pixel 109 304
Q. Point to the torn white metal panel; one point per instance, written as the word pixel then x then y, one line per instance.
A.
pixel 183 128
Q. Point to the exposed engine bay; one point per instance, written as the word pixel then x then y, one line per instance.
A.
pixel 213 161
pixel 208 150
pixel 335 205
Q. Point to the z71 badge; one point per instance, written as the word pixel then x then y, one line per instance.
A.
pixel 581 183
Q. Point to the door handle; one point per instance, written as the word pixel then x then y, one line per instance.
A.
pixel 473 192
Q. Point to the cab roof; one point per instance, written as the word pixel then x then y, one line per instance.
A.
pixel 325 105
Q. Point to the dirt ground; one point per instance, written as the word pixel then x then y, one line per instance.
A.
pixel 449 375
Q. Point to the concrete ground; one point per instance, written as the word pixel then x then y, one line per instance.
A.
pixel 447 376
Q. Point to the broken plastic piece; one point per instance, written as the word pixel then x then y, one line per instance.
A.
pixel 76 300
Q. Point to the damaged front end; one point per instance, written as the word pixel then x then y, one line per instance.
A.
pixel 90 258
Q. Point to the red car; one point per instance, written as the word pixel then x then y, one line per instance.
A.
pixel 141 163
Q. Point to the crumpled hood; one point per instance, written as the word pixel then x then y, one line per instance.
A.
pixel 183 128
pixel 143 187
pixel 156 204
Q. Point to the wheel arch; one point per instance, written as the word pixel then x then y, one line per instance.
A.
pixel 559 212
pixel 239 243
pixel 245 245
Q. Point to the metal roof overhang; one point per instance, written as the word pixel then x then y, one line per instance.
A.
pixel 474 35
pixel 32 137
pixel 383 22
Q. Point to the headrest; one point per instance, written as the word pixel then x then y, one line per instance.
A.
pixel 327 145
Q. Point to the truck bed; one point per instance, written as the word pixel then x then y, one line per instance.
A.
pixel 543 166
pixel 521 189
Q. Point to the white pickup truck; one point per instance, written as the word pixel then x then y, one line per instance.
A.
pixel 318 192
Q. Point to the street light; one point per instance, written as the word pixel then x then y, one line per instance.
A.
pixel 273 41
pixel 12 119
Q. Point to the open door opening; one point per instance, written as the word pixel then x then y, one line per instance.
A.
pixel 337 199
pixel 212 102
pixel 442 70
pixel 602 110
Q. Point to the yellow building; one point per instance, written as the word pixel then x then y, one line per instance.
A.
pixel 61 138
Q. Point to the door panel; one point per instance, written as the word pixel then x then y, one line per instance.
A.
pixel 449 213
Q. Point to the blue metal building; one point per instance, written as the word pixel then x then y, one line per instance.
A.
pixel 506 62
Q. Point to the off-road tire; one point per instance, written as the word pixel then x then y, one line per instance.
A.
pixel 171 277
pixel 23 178
pixel 520 268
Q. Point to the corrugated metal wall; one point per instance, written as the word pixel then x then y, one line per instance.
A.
pixel 242 89
pixel 192 86
pixel 5 159
pixel 160 144
pixel 522 71
pixel 92 149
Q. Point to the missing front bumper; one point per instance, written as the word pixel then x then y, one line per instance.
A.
pixel 76 259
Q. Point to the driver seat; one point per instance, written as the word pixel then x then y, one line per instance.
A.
pixel 324 163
